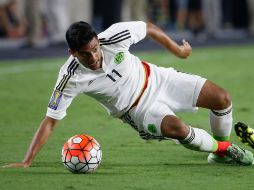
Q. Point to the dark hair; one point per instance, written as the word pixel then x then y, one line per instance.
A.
pixel 79 34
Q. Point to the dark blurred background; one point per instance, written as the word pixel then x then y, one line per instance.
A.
pixel 41 24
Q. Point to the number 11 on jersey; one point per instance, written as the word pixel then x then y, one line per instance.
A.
pixel 115 74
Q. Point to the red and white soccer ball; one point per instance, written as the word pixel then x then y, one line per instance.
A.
pixel 81 154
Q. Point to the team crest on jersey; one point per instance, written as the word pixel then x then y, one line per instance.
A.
pixel 55 99
pixel 119 57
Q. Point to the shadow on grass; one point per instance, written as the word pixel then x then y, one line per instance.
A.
pixel 110 168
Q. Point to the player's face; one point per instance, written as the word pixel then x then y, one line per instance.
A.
pixel 90 55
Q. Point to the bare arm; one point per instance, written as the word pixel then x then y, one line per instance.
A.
pixel 39 139
pixel 154 32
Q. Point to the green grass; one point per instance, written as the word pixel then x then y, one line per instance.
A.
pixel 128 162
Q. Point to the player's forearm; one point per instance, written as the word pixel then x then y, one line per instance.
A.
pixel 162 38
pixel 182 51
pixel 39 139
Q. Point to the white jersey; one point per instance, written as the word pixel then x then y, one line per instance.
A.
pixel 116 85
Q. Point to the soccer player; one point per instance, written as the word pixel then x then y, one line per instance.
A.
pixel 140 93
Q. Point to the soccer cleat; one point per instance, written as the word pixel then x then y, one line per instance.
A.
pixel 215 159
pixel 245 133
pixel 239 155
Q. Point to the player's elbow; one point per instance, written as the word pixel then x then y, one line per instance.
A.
pixel 150 29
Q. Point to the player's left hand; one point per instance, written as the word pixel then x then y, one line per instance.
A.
pixel 17 165
pixel 185 49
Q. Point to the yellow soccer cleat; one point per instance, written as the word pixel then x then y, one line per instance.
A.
pixel 245 133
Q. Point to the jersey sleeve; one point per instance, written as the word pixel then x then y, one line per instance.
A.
pixel 64 92
pixel 123 34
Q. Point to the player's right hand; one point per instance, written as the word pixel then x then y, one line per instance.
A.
pixel 17 165
pixel 185 49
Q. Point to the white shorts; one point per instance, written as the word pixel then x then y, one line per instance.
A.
pixel 168 92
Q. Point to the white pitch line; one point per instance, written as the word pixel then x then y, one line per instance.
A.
pixel 28 68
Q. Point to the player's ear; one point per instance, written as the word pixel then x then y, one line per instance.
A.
pixel 72 52
pixel 97 39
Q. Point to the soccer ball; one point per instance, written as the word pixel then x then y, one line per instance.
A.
pixel 81 154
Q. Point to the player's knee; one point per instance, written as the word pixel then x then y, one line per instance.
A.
pixel 224 100
pixel 172 127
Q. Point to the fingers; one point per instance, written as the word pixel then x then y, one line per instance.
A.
pixel 15 165
pixel 10 165
pixel 185 49
pixel 185 43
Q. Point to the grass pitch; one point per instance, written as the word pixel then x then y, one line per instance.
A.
pixel 127 162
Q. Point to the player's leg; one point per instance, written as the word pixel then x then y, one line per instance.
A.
pixel 183 92
pixel 199 140
pixel 218 101
pixel 190 137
